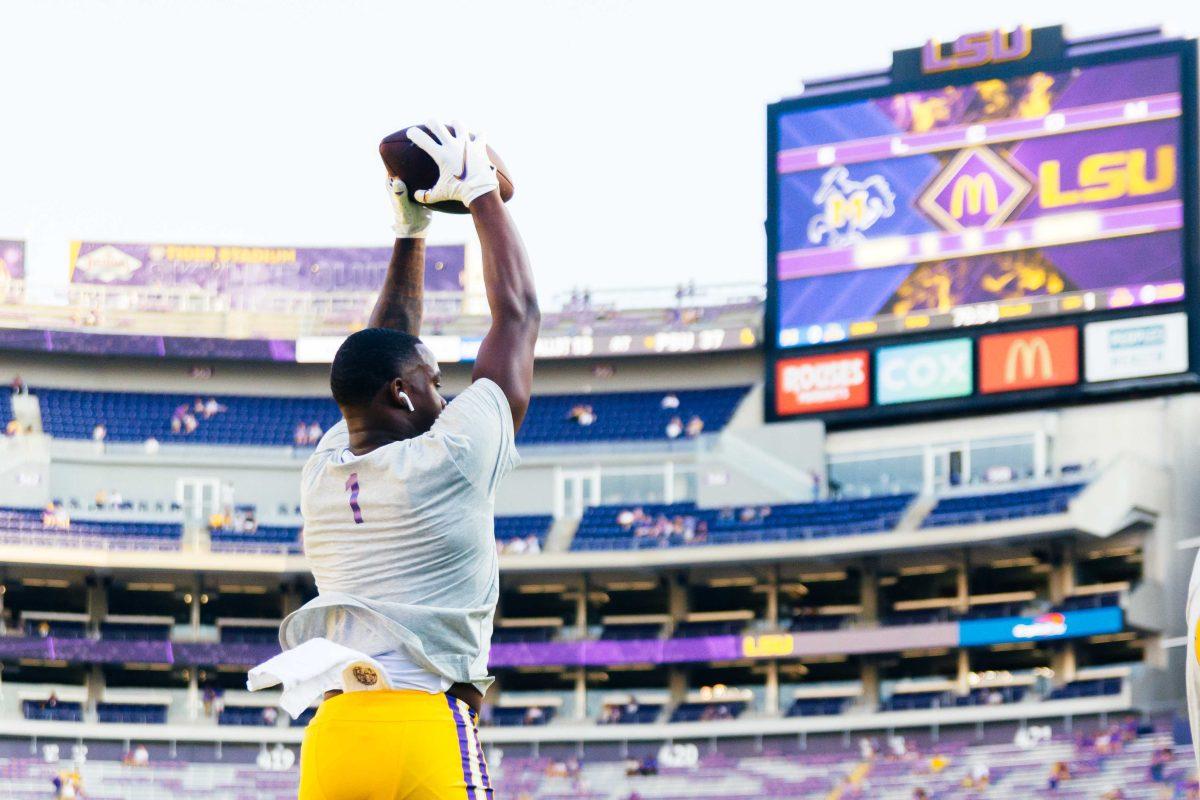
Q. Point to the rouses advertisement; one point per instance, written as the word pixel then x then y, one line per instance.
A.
pixel 930 371
pixel 822 383
pixel 1010 362
pixel 1136 348
pixel 1055 625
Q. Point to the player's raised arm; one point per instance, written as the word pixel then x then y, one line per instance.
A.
pixel 402 297
pixel 466 174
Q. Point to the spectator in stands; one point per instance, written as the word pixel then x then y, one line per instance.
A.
pixel 695 427
pixel 920 794
pixel 1115 793
pixel 151 446
pixel 534 715
pixel 674 428
pixel 582 414
pixel 212 408
pixel 670 401
pixel 314 432
pixel 13 428
pixel 43 629
pixel 208 698
pixel 1059 772
pixel 1158 764
pixel 532 545
pixel 99 434
pixel 979 777
pixel 269 715
pixel 300 435
pixel 18 385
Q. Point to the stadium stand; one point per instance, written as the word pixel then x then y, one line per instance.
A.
pixel 949 768
pixel 32 525
pixel 624 528
pixel 993 507
pixel 272 421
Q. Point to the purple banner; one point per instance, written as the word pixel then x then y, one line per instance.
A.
pixel 244 274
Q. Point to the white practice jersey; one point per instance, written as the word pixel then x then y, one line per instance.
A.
pixel 401 540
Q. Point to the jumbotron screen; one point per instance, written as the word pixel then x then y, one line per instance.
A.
pixel 1005 220
pixel 1030 196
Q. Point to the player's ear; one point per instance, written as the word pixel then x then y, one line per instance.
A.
pixel 399 396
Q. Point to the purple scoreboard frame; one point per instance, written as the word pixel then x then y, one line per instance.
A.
pixel 971 58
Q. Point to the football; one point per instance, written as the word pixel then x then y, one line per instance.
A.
pixel 411 164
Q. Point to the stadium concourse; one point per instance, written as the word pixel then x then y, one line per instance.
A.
pixel 763 609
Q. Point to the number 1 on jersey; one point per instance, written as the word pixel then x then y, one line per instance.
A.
pixel 352 488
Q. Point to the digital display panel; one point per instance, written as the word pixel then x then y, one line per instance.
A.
pixel 1002 220
pixel 1057 191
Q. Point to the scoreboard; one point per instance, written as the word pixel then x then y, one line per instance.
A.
pixel 1006 219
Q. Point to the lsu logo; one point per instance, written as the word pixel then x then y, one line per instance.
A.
pixel 769 645
pixel 849 207
pixel 976 49
pixel 1107 176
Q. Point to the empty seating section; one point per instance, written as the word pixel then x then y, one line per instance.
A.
pixel 62 629
pixel 818 706
pixel 648 630
pixel 58 711
pixel 265 537
pixel 251 634
pixel 600 528
pixel 1086 688
pixel 521 634
pixel 508 716
pixel 522 526
pixel 136 713
pixel 131 632
pixel 272 421
pixel 994 507
pixel 690 630
pixel 703 712
pixel 18 523
pixel 637 714
pixel 244 715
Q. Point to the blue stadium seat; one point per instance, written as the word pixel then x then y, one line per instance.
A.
pixel 271 421
pixel 997 506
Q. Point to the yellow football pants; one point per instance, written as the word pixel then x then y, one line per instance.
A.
pixel 394 745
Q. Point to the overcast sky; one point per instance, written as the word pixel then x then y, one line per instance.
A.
pixel 634 129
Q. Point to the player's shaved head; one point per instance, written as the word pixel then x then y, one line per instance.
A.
pixel 368 360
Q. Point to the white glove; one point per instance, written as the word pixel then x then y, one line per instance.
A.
pixel 411 218
pixel 464 170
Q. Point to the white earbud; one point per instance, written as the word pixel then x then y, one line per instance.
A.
pixel 407 402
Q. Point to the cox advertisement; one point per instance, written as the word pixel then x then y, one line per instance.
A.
pixel 930 371
pixel 1136 348
pixel 1055 625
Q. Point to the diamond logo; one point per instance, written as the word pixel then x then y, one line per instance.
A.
pixel 977 189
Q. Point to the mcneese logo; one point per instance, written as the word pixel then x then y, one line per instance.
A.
pixel 1028 360
pixel 848 207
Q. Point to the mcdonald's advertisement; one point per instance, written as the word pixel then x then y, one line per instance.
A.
pixel 1057 191
pixel 1011 362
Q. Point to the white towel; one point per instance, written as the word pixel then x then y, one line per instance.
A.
pixel 309 670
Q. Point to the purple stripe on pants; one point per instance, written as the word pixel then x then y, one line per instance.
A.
pixel 464 749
